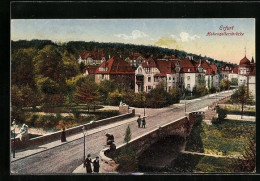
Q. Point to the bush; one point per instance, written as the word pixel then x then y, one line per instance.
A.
pixel 222 114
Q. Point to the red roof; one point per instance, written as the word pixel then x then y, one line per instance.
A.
pixel 165 66
pixel 235 70
pixel 213 67
pixel 149 63
pixel 115 65
pixel 134 56
pixel 244 61
pixel 160 75
pixel 229 66
pixel 187 66
pixel 204 64
pixel 94 55
pixel 210 72
pixel 91 69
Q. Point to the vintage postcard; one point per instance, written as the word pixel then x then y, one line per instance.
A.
pixel 133 96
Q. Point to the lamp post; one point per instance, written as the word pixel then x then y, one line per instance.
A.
pixel 14 126
pixel 184 97
pixel 144 103
pixel 84 133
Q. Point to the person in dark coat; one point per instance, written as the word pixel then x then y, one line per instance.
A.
pixel 63 135
pixel 143 122
pixel 110 139
pixel 88 164
pixel 139 121
pixel 96 165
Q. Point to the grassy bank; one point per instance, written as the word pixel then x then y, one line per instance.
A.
pixel 200 164
pixel 227 138
pixel 57 121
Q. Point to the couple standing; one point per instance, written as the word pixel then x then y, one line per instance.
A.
pixel 95 163
pixel 139 121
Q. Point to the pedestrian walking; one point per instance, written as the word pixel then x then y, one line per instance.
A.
pixel 143 122
pixel 63 135
pixel 88 164
pixel 139 121
pixel 96 165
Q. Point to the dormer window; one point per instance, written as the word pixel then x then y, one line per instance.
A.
pixel 188 70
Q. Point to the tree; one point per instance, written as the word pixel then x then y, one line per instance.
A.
pixel 225 84
pixel 158 97
pixel 234 82
pixel 115 97
pixel 127 159
pixel 248 161
pixel 105 87
pixel 242 96
pixel 87 93
pixel 48 63
pixel 71 67
pixel 175 95
pixel 22 69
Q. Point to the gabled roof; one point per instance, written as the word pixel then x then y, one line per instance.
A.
pixel 149 63
pixel 235 70
pixel 165 66
pixel 210 72
pixel 94 55
pixel 213 67
pixel 230 68
pixel 91 69
pixel 134 56
pixel 115 65
pixel 187 66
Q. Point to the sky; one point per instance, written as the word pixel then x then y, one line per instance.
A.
pixel 189 35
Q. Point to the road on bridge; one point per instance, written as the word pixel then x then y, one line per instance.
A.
pixel 66 158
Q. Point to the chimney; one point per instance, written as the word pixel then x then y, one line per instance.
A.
pixel 109 56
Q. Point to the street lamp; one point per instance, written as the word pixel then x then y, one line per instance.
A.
pixel 14 126
pixel 184 97
pixel 84 133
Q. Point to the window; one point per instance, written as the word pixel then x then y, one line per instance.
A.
pixel 169 88
pixel 188 78
pixel 188 70
pixel 156 79
pixel 149 79
pixel 173 80
pixel 188 86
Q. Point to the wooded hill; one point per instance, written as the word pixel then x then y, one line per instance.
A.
pixel 77 47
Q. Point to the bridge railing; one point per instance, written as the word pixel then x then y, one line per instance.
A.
pixel 70 131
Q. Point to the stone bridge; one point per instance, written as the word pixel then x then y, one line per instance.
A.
pixel 181 127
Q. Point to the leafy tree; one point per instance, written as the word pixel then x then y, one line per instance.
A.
pixel 30 97
pixel 248 161
pixel 22 67
pixel 242 96
pixel 175 94
pixel 87 93
pixel 48 63
pixel 128 96
pixel 71 67
pixel 234 82
pixel 105 87
pixel 222 114
pixel 127 159
pixel 225 84
pixel 158 97
pixel 115 97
